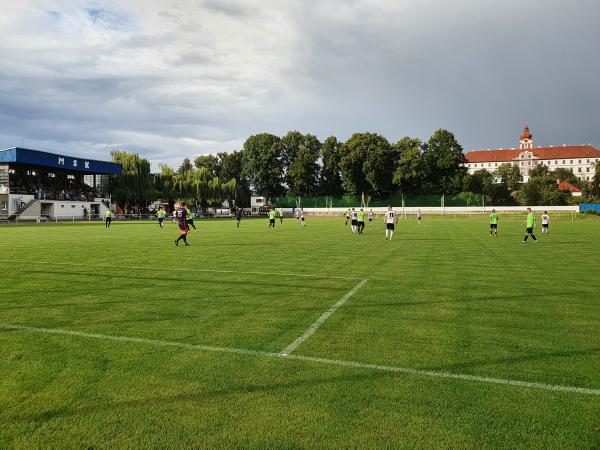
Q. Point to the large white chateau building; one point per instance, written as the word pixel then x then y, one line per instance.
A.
pixel 579 159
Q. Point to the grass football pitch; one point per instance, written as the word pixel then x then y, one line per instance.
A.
pixel 300 337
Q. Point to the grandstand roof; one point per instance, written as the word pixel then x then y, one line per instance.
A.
pixel 566 152
pixel 39 158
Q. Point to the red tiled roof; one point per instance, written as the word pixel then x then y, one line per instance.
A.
pixel 568 152
pixel 566 186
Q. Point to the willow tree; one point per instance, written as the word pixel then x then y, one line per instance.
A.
pixel 200 187
pixel 135 186
pixel 164 182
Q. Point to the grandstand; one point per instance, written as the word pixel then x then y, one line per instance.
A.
pixel 37 185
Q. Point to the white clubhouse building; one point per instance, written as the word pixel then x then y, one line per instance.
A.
pixel 579 159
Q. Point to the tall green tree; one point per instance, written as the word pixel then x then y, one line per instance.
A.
pixel 410 168
pixel 445 162
pixel 164 183
pixel 380 165
pixel 480 182
pixel 509 175
pixel 263 164
pixel 198 187
pixel 330 182
pixel 135 186
pixel 230 166
pixel 301 153
pixel 208 161
pixel 186 166
pixel 594 187
pixel 367 164
pixel 542 189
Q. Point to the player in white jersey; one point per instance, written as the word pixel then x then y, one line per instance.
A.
pixel 371 216
pixel 545 222
pixel 354 220
pixel 302 217
pixel 419 217
pixel 390 219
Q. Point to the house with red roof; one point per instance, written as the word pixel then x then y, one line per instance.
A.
pixel 579 159
pixel 566 186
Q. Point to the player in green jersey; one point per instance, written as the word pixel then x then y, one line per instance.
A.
pixel 161 216
pixel 280 215
pixel 107 218
pixel 190 220
pixel 530 226
pixel 360 221
pixel 272 215
pixel 494 223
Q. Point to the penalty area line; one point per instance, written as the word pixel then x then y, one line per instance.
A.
pixel 311 359
pixel 294 345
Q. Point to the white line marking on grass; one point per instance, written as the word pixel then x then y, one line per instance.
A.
pixel 312 359
pixel 294 345
pixel 170 269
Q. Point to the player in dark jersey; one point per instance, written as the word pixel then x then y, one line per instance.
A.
pixel 239 212
pixel 181 216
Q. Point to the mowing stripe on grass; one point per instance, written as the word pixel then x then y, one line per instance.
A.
pixel 294 345
pixel 312 359
pixel 234 272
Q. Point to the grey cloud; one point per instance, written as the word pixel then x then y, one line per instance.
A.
pixel 201 76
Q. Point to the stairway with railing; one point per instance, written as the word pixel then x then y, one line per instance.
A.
pixel 22 208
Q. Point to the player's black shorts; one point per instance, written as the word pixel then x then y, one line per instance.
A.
pixel 493 226
pixel 370 219
pixel 362 222
pixel 529 230
pixel 160 219
pixel 271 220
pixel 545 225
pixel 190 221
pixel 354 222
pixel 389 226
pixel 302 219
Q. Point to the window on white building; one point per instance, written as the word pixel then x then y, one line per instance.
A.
pixel 579 170
pixel 587 169
pixel 564 162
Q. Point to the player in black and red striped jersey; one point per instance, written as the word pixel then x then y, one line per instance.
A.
pixel 181 217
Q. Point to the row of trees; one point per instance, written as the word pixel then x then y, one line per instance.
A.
pixel 505 186
pixel 299 164
pixel 138 187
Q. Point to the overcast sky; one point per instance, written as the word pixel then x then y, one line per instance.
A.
pixel 179 78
